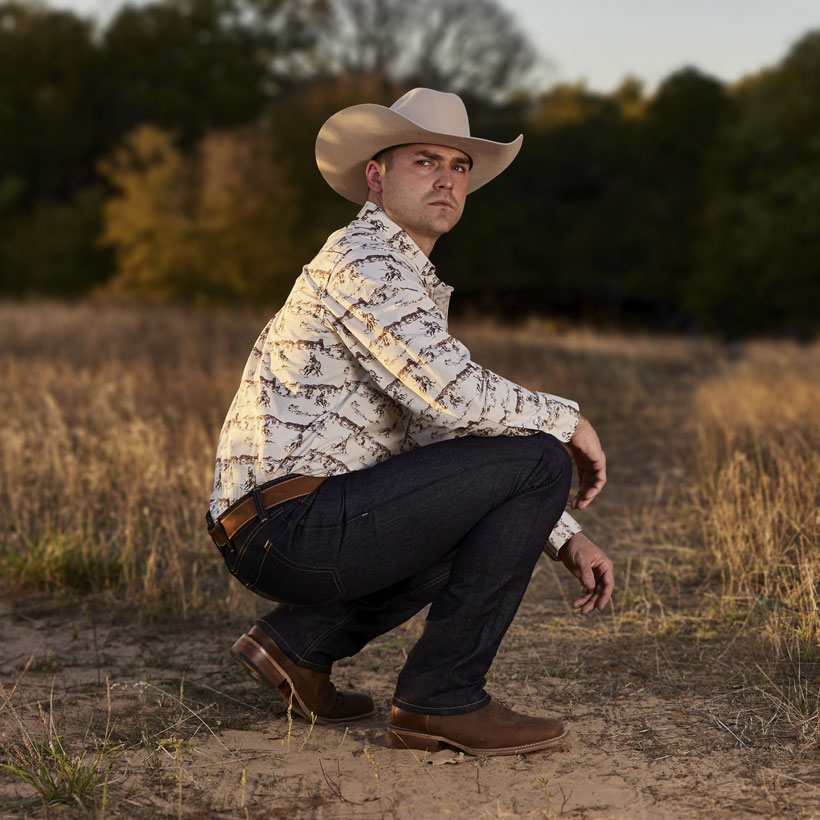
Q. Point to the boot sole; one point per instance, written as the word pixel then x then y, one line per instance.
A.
pixel 398 738
pixel 253 657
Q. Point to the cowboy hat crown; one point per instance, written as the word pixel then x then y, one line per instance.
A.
pixel 354 135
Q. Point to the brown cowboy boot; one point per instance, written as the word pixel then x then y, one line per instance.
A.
pixel 491 730
pixel 305 691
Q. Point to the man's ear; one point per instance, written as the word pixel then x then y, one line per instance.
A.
pixel 373 174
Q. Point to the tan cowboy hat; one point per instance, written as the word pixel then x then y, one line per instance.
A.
pixel 353 136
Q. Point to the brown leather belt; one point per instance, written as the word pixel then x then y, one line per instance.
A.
pixel 244 511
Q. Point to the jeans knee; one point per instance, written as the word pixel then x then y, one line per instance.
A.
pixel 556 459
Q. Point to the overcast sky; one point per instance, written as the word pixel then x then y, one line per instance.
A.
pixel 601 41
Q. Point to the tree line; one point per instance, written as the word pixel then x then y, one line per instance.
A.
pixel 168 156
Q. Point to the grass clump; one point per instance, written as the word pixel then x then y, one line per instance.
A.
pixel 43 760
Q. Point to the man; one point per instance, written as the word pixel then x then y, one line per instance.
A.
pixel 368 467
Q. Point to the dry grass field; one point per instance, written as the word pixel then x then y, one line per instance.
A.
pixel 697 694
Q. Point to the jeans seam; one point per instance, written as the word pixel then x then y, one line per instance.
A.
pixel 279 512
pixel 246 540
pixel 335 628
pixel 438 579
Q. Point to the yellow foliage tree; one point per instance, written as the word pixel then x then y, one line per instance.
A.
pixel 203 228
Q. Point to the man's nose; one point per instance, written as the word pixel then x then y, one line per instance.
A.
pixel 445 178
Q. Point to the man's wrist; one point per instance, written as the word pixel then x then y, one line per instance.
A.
pixel 554 552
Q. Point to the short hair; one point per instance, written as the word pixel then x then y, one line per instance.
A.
pixel 385 155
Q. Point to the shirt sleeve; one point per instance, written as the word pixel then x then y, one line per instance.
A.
pixel 566 527
pixel 384 315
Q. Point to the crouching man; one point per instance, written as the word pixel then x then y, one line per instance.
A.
pixel 368 467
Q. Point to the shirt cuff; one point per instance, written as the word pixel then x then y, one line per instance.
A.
pixel 566 527
pixel 569 402
pixel 563 416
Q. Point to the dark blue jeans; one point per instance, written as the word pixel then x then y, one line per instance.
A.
pixel 459 524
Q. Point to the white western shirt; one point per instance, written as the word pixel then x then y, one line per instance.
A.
pixel 358 366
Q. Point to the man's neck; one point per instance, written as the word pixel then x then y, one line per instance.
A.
pixel 425 243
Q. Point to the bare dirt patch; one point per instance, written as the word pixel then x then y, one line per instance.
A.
pixel 660 726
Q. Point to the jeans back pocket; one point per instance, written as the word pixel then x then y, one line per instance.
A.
pixel 259 563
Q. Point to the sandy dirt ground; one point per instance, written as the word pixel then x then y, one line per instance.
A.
pixel 655 731
pixel 665 718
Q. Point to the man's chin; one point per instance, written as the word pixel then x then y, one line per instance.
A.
pixel 452 223
pixel 447 220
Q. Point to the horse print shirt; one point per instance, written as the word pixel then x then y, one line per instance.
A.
pixel 358 366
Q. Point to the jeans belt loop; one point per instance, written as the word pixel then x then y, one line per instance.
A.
pixel 260 507
pixel 217 525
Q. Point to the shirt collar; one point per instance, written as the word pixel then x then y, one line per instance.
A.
pixel 376 217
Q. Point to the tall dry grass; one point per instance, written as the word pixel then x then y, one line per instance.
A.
pixel 109 417
pixel 758 485
pixel 109 424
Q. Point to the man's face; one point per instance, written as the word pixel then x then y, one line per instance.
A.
pixel 422 188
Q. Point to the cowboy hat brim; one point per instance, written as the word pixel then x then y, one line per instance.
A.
pixel 353 136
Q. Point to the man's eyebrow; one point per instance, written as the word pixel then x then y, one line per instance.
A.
pixel 464 160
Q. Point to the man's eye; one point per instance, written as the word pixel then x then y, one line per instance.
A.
pixel 423 162
pixel 461 168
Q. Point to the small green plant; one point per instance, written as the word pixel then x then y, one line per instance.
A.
pixel 58 775
pixel 158 743
pixel 51 560
pixel 47 664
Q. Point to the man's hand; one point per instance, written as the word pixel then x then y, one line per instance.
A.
pixel 589 563
pixel 585 449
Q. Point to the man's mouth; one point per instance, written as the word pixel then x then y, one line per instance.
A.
pixel 445 203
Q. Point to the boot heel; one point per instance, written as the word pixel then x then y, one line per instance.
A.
pixel 398 739
pixel 247 653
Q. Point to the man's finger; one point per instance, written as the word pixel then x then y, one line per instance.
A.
pixel 579 602
pixel 608 581
pixel 585 495
pixel 587 604
pixel 591 482
pixel 602 593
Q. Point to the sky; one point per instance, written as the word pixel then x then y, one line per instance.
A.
pixel 602 41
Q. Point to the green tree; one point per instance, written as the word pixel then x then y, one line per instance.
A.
pixel 49 70
pixel 69 92
pixel 49 199
pixel 50 249
pixel 192 65
pixel 678 135
pixel 759 254
pixel 557 216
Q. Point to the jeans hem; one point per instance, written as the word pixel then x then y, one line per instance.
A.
pixel 441 710
pixel 294 656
